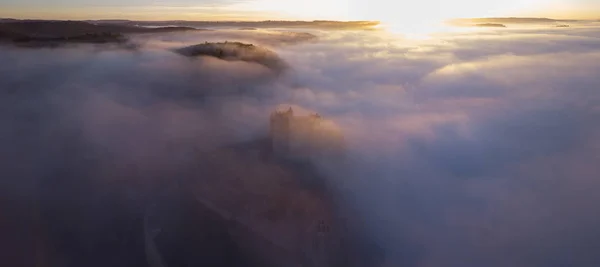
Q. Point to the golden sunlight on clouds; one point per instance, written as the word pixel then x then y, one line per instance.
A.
pixel 418 19
pixel 424 13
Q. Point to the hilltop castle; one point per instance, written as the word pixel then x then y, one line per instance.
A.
pixel 303 137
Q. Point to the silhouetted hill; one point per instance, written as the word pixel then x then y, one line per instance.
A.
pixel 72 31
pixel 7 20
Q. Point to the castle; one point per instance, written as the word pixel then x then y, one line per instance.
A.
pixel 303 137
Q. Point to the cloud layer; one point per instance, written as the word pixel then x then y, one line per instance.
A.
pixel 466 149
pixel 469 149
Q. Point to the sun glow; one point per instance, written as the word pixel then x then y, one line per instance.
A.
pixel 412 18
pixel 428 16
pixel 415 30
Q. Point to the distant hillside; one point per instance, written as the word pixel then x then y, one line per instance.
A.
pixel 72 31
pixel 7 20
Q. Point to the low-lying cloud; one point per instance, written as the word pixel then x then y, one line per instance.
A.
pixel 470 149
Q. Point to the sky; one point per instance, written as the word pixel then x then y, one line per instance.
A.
pixel 388 11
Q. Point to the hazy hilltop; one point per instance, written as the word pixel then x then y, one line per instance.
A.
pixel 236 51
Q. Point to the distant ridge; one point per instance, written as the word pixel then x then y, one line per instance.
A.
pixel 326 24
pixel 323 24
pixel 507 20
pixel 7 20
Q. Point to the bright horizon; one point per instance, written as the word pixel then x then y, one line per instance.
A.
pixel 416 19
pixel 420 12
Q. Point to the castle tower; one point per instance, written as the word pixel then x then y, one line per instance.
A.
pixel 303 137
